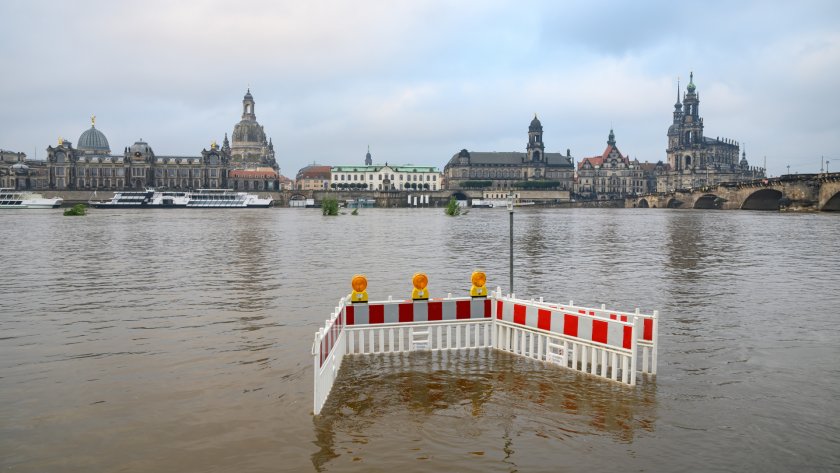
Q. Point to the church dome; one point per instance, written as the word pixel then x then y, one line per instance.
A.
pixel 535 124
pixel 248 132
pixel 140 148
pixel 93 140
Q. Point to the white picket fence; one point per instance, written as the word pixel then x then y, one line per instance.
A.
pixel 610 349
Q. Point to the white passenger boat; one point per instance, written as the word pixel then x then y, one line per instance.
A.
pixel 142 199
pixel 225 198
pixel 203 198
pixel 16 199
pixel 126 200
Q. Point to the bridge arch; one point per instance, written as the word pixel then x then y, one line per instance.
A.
pixel 673 203
pixel 764 199
pixel 708 201
pixel 297 197
pixel 643 204
pixel 832 204
pixel 460 196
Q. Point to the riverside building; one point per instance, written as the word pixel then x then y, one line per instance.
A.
pixel 248 164
pixel 695 160
pixel 91 166
pixel 385 177
pixel 314 177
pixel 612 175
pixel 501 171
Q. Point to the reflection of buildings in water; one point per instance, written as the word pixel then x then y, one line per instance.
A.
pixel 699 246
pixel 685 234
pixel 252 282
pixel 496 390
pixel 250 270
pixel 533 241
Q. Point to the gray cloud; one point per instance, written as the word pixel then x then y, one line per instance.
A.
pixel 420 80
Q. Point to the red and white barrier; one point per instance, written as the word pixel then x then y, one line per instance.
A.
pixel 595 341
pixel 434 310
pixel 328 351
pixel 647 337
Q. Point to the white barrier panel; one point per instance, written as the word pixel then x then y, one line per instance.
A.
pixel 647 334
pixel 417 336
pixel 328 351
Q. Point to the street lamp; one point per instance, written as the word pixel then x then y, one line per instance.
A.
pixel 826 166
pixel 788 166
pixel 510 211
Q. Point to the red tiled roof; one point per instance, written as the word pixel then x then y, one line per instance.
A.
pixel 599 160
pixel 314 172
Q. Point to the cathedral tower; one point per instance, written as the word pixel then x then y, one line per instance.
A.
pixel 536 147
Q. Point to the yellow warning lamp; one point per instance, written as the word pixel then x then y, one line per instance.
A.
pixel 479 284
pixel 359 283
pixel 420 293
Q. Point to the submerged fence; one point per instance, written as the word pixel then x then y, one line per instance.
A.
pixel 596 341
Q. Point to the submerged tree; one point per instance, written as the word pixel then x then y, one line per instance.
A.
pixel 452 208
pixel 78 209
pixel 329 207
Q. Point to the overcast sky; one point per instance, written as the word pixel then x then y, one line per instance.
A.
pixel 419 80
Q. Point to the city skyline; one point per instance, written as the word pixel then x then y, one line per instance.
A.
pixel 419 82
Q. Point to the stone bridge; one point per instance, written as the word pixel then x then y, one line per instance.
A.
pixel 794 192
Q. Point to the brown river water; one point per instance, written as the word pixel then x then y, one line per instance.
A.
pixel 179 341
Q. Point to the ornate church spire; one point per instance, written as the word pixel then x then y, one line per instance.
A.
pixel 611 138
pixel 678 105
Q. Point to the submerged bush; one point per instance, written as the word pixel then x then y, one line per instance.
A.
pixel 78 209
pixel 452 208
pixel 329 207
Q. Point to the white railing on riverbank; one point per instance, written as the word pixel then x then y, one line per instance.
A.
pixel 595 341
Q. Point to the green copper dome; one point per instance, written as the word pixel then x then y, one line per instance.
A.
pixel 93 140
pixel 691 85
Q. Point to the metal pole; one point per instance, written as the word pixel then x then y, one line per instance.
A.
pixel 510 210
pixel 511 251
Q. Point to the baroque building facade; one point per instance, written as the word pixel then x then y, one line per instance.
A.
pixel 695 160
pixel 611 175
pixel 91 166
pixel 16 172
pixel 385 177
pixel 507 170
pixel 249 164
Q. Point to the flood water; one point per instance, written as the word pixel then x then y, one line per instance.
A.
pixel 180 341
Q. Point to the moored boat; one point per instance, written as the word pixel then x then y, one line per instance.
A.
pixel 16 199
pixel 226 198
pixel 126 200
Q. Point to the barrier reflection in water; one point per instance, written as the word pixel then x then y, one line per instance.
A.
pixel 455 402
